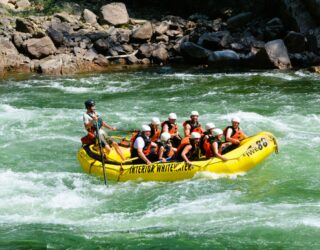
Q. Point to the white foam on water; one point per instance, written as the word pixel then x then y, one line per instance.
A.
pixel 206 175
pixel 312 222
pixel 210 93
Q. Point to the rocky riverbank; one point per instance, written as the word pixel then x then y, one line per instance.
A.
pixel 65 43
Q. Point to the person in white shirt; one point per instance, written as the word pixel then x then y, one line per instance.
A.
pixel 143 147
pixel 91 120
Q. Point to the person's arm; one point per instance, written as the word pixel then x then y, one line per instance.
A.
pixel 186 130
pixel 106 125
pixel 216 152
pixel 161 150
pixel 184 153
pixel 232 140
pixel 172 148
pixel 142 156
pixel 165 128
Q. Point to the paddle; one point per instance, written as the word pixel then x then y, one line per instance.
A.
pixel 125 131
pixel 102 155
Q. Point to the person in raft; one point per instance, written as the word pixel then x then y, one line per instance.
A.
pixel 213 145
pixel 192 125
pixel 189 148
pixel 233 134
pixel 155 130
pixel 142 146
pixel 91 120
pixel 165 149
pixel 170 126
pixel 206 135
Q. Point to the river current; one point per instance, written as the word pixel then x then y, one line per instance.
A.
pixel 47 201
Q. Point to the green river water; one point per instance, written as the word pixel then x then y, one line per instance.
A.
pixel 47 201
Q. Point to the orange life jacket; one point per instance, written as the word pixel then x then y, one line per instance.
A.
pixel 193 153
pixel 147 147
pixel 168 151
pixel 208 147
pixel 172 127
pixel 236 133
pixel 155 133
pixel 195 127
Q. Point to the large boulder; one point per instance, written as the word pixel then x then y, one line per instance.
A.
pixel 214 40
pixel 239 20
pixel 278 54
pixel 22 4
pixel 223 56
pixel 194 52
pixel 39 48
pixel 162 28
pixel 145 50
pixel 144 32
pixel 10 59
pixel 115 14
pixel 89 17
pixel 160 54
pixel 24 25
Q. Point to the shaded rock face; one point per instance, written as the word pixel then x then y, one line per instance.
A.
pixel 39 48
pixel 115 14
pixel 296 15
pixel 295 42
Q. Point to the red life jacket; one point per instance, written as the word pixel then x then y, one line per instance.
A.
pixel 172 127
pixel 147 146
pixel 90 138
pixel 236 133
pixel 195 127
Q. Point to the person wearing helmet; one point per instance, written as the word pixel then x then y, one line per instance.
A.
pixel 189 148
pixel 91 120
pixel 192 125
pixel 142 146
pixel 155 130
pixel 165 149
pixel 171 126
pixel 206 135
pixel 234 134
pixel 214 145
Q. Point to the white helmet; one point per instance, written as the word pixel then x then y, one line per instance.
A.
pixel 210 125
pixel 173 116
pixel 235 119
pixel 194 113
pixel 155 121
pixel 145 128
pixel 217 131
pixel 195 135
pixel 165 136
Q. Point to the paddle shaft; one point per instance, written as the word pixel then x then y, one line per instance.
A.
pixel 102 155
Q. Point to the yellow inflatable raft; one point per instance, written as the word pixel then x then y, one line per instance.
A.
pixel 251 152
